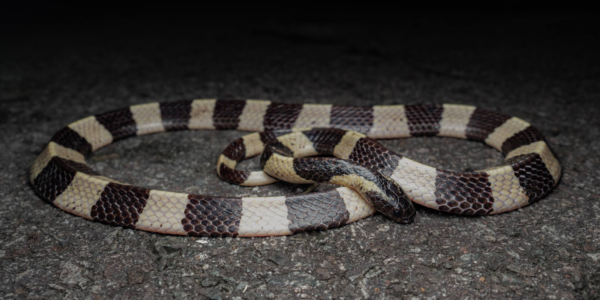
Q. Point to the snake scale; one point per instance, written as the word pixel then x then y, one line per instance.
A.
pixel 60 176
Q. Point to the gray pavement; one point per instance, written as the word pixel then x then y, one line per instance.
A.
pixel 542 69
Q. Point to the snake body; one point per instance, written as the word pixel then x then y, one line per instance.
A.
pixel 59 174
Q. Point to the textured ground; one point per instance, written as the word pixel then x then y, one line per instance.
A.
pixel 544 70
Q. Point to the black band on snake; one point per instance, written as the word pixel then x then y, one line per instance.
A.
pixel 374 178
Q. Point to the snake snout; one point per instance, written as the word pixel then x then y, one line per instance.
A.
pixel 404 216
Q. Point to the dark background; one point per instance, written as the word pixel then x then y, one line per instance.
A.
pixel 60 63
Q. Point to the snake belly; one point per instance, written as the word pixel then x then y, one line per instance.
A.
pixel 60 176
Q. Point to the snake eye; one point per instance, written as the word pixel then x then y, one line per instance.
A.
pixel 396 213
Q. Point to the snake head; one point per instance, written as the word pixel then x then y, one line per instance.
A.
pixel 399 209
pixel 392 201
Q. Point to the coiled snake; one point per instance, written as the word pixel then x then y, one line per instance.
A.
pixel 379 178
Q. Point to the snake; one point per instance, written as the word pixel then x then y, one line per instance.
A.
pixel 372 177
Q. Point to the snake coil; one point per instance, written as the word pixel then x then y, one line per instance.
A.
pixel 385 179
